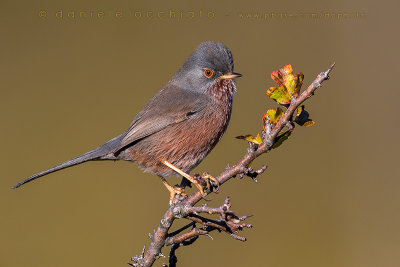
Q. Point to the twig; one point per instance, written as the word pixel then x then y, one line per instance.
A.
pixel 192 224
pixel 189 235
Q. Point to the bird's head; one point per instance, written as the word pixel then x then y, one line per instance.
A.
pixel 210 63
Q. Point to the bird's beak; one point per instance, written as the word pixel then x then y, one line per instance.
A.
pixel 230 75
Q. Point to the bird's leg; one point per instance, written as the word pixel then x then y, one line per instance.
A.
pixel 172 190
pixel 187 176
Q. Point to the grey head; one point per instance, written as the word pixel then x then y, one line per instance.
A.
pixel 210 62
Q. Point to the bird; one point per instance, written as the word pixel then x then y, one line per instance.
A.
pixel 180 125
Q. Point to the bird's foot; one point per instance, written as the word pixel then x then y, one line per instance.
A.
pixel 214 181
pixel 173 190
pixel 194 181
pixel 206 181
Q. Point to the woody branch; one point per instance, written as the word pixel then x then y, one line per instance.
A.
pixel 228 222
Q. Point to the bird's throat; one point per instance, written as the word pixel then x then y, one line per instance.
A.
pixel 222 91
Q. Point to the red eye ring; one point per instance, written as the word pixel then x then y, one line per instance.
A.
pixel 208 73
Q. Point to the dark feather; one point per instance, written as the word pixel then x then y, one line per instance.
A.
pixel 96 154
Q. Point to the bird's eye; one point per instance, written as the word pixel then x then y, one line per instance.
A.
pixel 208 73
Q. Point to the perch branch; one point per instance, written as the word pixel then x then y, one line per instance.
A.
pixel 228 221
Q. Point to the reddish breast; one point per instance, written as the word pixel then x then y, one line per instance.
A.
pixel 185 144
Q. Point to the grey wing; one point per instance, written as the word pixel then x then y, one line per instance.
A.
pixel 169 106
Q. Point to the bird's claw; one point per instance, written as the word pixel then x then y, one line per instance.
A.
pixel 176 192
pixel 173 191
pixel 199 181
pixel 211 180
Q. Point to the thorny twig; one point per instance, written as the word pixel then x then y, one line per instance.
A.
pixel 228 221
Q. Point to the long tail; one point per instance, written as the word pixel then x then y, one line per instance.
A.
pixel 102 152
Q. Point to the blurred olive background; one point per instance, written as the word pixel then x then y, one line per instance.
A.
pixel 330 196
